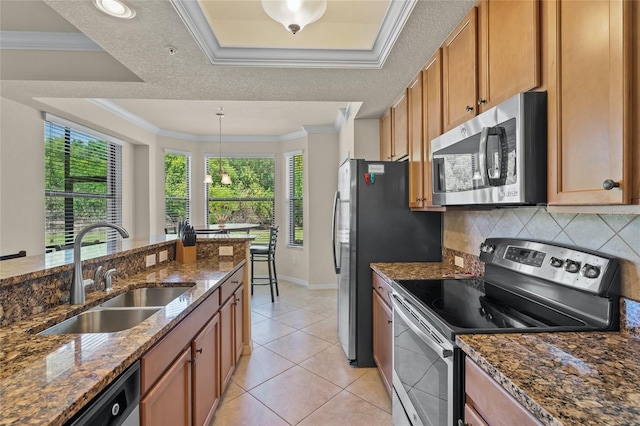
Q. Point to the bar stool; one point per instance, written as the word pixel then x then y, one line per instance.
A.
pixel 265 253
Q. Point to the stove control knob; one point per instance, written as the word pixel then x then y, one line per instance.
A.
pixel 487 248
pixel 571 266
pixel 556 263
pixel 590 271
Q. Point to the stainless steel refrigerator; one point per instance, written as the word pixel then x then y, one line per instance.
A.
pixel 372 223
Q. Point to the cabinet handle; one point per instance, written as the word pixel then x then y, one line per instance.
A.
pixel 234 281
pixel 199 350
pixel 609 184
pixel 469 108
pixel 482 101
pixel 389 322
pixel 462 423
pixel 389 158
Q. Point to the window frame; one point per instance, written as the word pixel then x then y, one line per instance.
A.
pixel 292 199
pixel 55 127
pixel 187 198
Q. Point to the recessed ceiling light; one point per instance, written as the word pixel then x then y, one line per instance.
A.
pixel 115 8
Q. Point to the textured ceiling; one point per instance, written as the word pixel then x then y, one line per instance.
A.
pixel 137 49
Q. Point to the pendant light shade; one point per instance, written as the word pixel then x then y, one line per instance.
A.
pixel 224 177
pixel 294 15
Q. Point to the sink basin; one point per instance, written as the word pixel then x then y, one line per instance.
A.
pixel 102 321
pixel 148 296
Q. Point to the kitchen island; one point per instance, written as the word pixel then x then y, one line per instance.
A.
pixel 46 379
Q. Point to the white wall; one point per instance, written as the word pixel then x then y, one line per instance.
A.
pixel 22 170
pixel 367 139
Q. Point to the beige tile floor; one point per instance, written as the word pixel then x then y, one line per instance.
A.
pixel 297 373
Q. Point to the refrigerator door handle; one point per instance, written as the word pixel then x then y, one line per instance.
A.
pixel 334 222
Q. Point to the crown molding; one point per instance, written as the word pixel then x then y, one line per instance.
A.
pixel 196 22
pixel 33 40
pixel 152 128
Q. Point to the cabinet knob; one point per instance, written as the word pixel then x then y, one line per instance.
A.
pixel 469 108
pixel 389 158
pixel 199 350
pixel 482 101
pixel 462 423
pixel 389 322
pixel 609 184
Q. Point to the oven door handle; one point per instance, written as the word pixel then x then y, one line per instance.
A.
pixel 398 309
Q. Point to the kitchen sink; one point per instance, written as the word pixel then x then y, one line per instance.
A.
pixel 99 320
pixel 147 296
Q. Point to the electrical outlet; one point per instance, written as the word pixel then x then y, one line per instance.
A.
pixel 459 261
pixel 225 251
pixel 151 260
pixel 163 256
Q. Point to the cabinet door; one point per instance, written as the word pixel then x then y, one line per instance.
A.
pixel 589 103
pixel 432 105
pixel 383 339
pixel 386 137
pixel 206 372
pixel 460 70
pixel 414 93
pixel 238 322
pixel 400 125
pixel 169 401
pixel 227 343
pixel 509 51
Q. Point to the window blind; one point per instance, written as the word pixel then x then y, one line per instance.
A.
pixel 250 198
pixel 177 168
pixel 295 199
pixel 82 186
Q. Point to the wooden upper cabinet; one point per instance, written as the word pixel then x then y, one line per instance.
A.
pixel 509 49
pixel 386 136
pixel 416 179
pixel 459 67
pixel 400 125
pixel 590 102
pixel 432 110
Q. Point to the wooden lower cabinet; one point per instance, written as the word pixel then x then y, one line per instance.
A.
pixel 487 403
pixel 169 401
pixel 227 343
pixel 186 372
pixel 206 372
pixel 383 330
pixel 238 322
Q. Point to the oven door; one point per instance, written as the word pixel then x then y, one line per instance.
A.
pixel 423 370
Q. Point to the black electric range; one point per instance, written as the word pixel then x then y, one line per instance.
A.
pixel 528 286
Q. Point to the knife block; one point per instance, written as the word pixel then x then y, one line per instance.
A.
pixel 185 255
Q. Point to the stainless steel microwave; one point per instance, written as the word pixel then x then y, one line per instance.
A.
pixel 498 158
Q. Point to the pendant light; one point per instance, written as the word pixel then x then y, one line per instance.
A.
pixel 224 177
pixel 294 14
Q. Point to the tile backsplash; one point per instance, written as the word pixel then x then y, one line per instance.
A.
pixel 617 235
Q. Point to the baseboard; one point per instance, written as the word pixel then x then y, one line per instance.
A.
pixel 306 283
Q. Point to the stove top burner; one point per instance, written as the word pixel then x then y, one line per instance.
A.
pixel 465 306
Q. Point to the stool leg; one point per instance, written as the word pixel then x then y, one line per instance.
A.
pixel 252 275
pixel 270 281
pixel 275 275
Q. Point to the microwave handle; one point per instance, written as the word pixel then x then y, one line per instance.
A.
pixel 482 156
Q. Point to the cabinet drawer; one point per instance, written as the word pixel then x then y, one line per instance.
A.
pixel 231 284
pixel 491 401
pixel 472 418
pixel 383 288
pixel 159 357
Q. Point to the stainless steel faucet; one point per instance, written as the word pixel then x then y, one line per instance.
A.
pixel 77 283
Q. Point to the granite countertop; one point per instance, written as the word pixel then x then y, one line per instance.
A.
pixel 585 378
pixel 45 379
pixel 588 378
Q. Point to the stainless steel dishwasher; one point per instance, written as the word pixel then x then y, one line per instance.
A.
pixel 117 405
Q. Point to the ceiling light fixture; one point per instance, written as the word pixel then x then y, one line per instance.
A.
pixel 294 14
pixel 115 8
pixel 224 177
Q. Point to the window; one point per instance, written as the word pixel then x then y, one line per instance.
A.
pixel 176 189
pixel 250 198
pixel 294 199
pixel 82 183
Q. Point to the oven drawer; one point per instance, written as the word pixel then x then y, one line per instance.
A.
pixel 383 288
pixel 491 401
